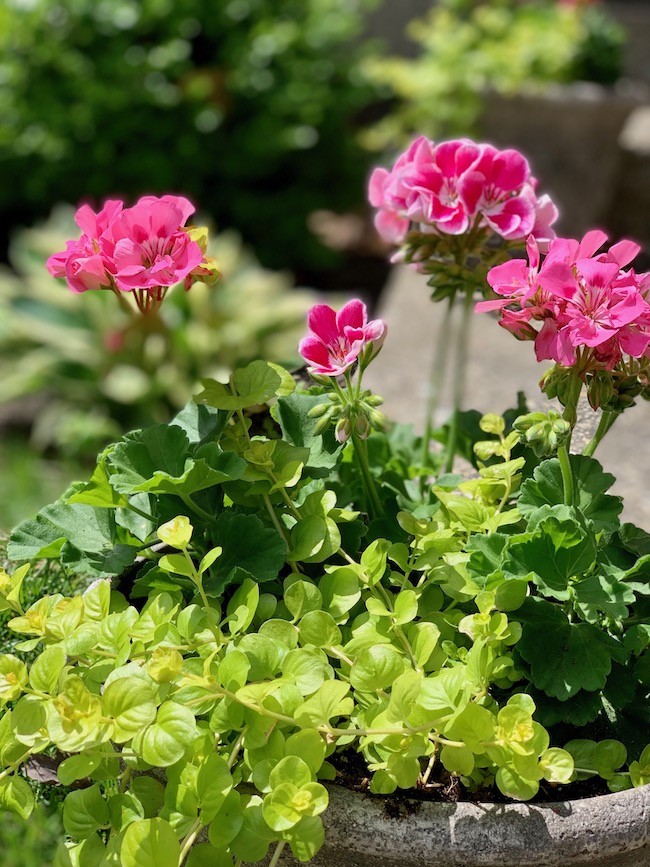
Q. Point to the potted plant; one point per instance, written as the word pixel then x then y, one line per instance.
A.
pixel 285 600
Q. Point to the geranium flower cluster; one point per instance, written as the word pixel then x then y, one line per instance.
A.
pixel 141 250
pixel 592 311
pixel 457 186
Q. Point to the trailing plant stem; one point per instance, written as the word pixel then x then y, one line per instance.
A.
pixel 276 855
pixel 190 837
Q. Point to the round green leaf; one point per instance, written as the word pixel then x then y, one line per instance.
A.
pixel 77 767
pixel 556 765
pixel 228 822
pixel 213 783
pixel 319 628
pixel 376 668
pixel 514 786
pixel 609 756
pixel 150 793
pixel 150 843
pixel 206 855
pixel 279 809
pixel 291 769
pixel 301 597
pixel 309 746
pixel 46 668
pixel 84 812
pixel 131 703
pixel 16 795
pixel 164 742
pixel 306 668
pixel 406 606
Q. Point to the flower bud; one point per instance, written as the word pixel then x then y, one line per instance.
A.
pixel 318 410
pixel 378 419
pixel 323 422
pixel 362 427
pixel 343 430
pixel 544 432
pixel 374 400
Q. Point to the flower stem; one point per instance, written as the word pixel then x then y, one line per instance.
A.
pixel 460 371
pixel 276 855
pixel 607 420
pixel 567 475
pixel 436 378
pixel 374 503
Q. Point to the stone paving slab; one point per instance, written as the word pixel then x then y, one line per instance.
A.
pixel 498 367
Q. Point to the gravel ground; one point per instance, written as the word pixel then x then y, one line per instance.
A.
pixel 498 367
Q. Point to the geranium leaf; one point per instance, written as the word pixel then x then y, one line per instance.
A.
pixel 201 423
pixel 591 484
pixel 292 414
pixel 248 545
pixel 559 549
pixel 256 383
pixel 75 533
pixel 573 656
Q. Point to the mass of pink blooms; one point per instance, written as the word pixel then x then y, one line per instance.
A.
pixel 144 248
pixel 336 340
pixel 587 306
pixel 454 186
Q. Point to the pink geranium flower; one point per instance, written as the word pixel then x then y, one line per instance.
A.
pixel 456 186
pixel 584 299
pixel 150 248
pixel 336 340
pixel 83 263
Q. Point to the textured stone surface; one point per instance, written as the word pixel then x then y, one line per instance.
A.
pixel 609 831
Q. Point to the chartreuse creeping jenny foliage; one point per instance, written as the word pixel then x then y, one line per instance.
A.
pixel 268 616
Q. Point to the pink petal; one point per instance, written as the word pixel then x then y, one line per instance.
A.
pixel 322 323
pixel 600 274
pixel 509 278
pixel 352 315
pixel 558 279
pixel 624 252
pixel 376 187
pixel 591 242
pixel 510 171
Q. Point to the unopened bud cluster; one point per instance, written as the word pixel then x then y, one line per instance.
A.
pixel 359 416
pixel 544 432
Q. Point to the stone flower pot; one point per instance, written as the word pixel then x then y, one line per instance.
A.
pixel 365 831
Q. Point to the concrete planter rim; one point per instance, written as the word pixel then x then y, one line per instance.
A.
pixel 608 829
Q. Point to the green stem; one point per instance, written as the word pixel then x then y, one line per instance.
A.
pixel 189 502
pixel 567 475
pixel 189 840
pixel 142 514
pixel 274 518
pixel 460 371
pixel 276 855
pixel 209 611
pixel 436 378
pixel 607 420
pixel 570 413
pixel 361 450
